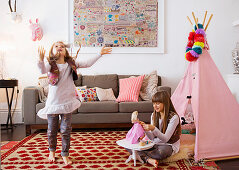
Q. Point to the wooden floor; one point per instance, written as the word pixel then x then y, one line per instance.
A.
pixel 18 133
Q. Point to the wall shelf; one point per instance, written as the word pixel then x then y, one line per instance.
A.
pixel 235 23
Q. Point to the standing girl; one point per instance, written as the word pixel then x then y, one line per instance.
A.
pixel 164 130
pixel 61 70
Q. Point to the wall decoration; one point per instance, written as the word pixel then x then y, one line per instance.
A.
pixel 128 25
pixel 37 32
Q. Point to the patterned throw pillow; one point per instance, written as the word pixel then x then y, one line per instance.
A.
pixel 78 88
pixel 105 94
pixel 87 94
pixel 149 86
pixel 129 89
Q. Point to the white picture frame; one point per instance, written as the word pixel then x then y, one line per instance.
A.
pixel 158 49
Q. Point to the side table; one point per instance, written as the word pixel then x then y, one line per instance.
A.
pixel 9 84
pixel 134 147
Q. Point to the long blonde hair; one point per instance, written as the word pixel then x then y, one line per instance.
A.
pixel 52 56
pixel 163 97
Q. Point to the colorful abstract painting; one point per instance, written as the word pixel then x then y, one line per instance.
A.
pixel 116 23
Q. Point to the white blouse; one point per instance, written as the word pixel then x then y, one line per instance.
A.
pixel 160 138
pixel 61 97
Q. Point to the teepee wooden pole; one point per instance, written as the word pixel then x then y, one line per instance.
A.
pixel 195 20
pixel 204 18
pixel 221 158
pixel 208 22
pixel 189 20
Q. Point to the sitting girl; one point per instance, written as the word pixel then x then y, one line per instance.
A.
pixel 164 130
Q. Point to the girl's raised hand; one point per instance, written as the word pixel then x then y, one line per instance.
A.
pixel 78 50
pixel 105 50
pixel 41 53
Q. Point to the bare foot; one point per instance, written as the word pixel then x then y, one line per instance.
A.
pixel 153 162
pixel 51 157
pixel 66 160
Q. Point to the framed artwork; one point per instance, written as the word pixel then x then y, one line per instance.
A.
pixel 130 26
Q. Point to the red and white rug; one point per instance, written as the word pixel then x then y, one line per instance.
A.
pixel 89 150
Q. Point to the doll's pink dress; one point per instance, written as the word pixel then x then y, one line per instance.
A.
pixel 135 133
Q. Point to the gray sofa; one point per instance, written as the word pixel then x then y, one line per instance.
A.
pixel 97 114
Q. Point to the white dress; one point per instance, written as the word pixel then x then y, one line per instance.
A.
pixel 61 97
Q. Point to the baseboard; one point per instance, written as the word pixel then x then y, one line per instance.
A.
pixel 16 119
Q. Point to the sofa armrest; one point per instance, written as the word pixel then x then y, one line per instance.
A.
pixel 164 88
pixel 30 98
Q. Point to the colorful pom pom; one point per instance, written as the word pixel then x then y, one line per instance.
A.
pixel 190 44
pixel 188 49
pixel 194 54
pixel 200 26
pixel 189 57
pixel 201 44
pixel 201 31
pixel 197 49
pixel 198 35
pixel 191 36
pixel 199 39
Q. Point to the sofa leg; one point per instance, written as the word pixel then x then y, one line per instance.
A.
pixel 28 130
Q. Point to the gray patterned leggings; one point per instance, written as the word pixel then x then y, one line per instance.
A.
pixel 157 152
pixel 65 129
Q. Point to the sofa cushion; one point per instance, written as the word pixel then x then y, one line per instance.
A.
pixel 87 94
pixel 98 107
pixel 105 94
pixel 129 89
pixel 127 76
pixel 149 86
pixel 103 81
pixel 141 106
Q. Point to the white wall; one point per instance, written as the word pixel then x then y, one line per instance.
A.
pixel 53 16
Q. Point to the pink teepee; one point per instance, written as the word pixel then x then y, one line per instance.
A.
pixel 215 109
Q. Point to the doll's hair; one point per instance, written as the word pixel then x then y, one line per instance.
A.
pixel 52 56
pixel 134 116
pixel 163 97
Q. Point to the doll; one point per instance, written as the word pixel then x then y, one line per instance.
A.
pixel 136 133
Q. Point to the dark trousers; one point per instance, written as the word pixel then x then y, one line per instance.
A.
pixel 157 152
pixel 65 129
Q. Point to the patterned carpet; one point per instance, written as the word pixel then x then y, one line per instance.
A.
pixel 6 145
pixel 89 150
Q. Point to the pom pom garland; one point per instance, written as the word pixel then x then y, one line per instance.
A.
pixel 195 43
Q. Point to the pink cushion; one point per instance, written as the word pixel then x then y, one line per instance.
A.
pixel 129 89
